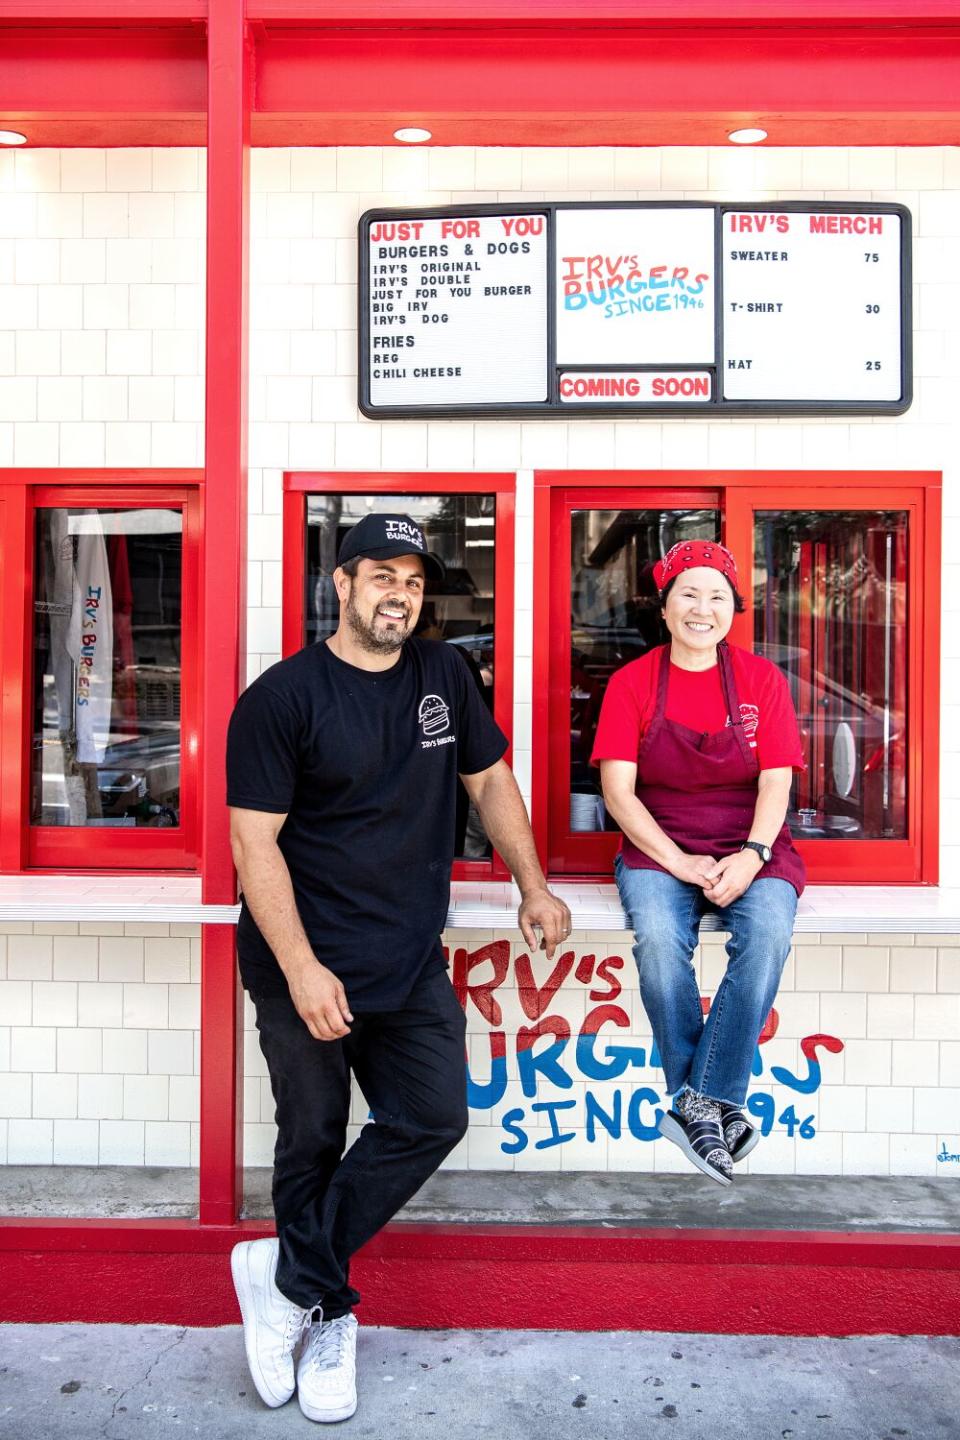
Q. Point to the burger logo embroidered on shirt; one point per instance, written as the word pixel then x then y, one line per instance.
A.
pixel 434 715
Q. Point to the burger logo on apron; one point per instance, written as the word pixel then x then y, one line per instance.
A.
pixel 434 715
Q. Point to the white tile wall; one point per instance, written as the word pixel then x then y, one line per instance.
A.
pixel 101 308
pixel 102 1067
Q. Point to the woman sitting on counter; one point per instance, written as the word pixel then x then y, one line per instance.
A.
pixel 697 743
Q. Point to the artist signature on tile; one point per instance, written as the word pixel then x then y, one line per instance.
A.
pixel 945 1155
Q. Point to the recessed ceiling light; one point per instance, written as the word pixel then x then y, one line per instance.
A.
pixel 747 137
pixel 12 137
pixel 412 135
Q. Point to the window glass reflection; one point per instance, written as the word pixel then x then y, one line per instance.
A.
pixel 107 661
pixel 615 618
pixel 460 530
pixel 831 609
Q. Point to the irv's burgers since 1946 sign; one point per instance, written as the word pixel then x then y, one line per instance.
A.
pixel 661 307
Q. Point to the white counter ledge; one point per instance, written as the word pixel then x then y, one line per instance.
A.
pixel 474 905
pixel 831 909
pixel 141 898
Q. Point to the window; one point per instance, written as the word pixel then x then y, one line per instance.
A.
pixel 109 677
pixel 830 608
pixel 468 524
pixel 844 597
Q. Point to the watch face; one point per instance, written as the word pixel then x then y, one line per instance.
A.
pixel 766 852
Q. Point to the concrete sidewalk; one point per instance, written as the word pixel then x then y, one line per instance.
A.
pixel 75 1382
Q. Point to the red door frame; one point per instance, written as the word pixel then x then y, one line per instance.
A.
pixel 589 853
pixel 23 846
pixel 914 860
pixel 556 493
pixel 297 485
pixel 229 101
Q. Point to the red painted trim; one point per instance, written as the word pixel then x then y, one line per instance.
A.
pixel 620 14
pixel 567 853
pixel 24 845
pixel 66 848
pixel 485 87
pixel 134 480
pixel 298 484
pixel 401 482
pixel 494 74
pixel 15 661
pixel 221 1078
pixel 225 588
pixel 577 1277
pixel 927 734
pixel 483 13
pixel 128 14
pixel 76 87
pixel 293 570
pixel 225 533
pixel 912 861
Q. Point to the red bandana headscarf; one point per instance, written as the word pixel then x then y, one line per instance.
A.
pixel 687 554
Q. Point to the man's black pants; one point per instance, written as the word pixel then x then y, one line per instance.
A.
pixel 411 1067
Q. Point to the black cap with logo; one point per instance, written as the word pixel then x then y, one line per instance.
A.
pixel 384 537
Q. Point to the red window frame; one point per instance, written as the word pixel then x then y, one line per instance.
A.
pixel 738 495
pixel 24 846
pixel 297 485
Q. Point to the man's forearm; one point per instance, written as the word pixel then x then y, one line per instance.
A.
pixel 268 891
pixel 504 817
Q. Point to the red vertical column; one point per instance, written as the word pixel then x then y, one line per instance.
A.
pixel 224 588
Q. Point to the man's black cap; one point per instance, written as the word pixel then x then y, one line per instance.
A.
pixel 384 537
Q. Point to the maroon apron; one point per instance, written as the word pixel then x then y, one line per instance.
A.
pixel 702 789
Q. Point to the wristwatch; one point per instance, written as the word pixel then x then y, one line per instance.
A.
pixel 762 850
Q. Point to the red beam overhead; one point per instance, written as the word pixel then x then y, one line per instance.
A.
pixel 656 85
pixel 111 86
pixel 325 15
pixel 625 14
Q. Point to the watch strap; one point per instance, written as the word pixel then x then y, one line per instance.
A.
pixel 760 849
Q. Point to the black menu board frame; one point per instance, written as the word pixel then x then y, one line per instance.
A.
pixel 715 405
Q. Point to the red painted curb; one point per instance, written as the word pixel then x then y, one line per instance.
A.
pixel 536 1277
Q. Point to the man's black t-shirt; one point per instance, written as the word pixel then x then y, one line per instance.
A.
pixel 364 765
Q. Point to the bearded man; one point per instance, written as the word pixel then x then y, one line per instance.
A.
pixel 342 768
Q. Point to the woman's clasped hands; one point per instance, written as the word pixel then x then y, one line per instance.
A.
pixel 722 881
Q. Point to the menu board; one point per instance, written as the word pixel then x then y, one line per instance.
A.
pixel 457 310
pixel 660 307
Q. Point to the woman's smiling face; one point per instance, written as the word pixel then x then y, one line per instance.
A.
pixel 699 609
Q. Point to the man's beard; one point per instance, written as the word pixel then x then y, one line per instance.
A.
pixel 384 642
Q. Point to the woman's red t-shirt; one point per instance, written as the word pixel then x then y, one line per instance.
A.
pixel 695 699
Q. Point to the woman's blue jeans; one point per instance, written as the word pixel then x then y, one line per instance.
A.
pixel 712 1056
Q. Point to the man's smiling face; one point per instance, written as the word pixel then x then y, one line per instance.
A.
pixel 382 604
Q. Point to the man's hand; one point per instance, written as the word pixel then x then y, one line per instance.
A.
pixel 321 1002
pixel 694 870
pixel 732 876
pixel 543 909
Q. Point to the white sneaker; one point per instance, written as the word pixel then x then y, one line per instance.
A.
pixel 272 1324
pixel 327 1372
